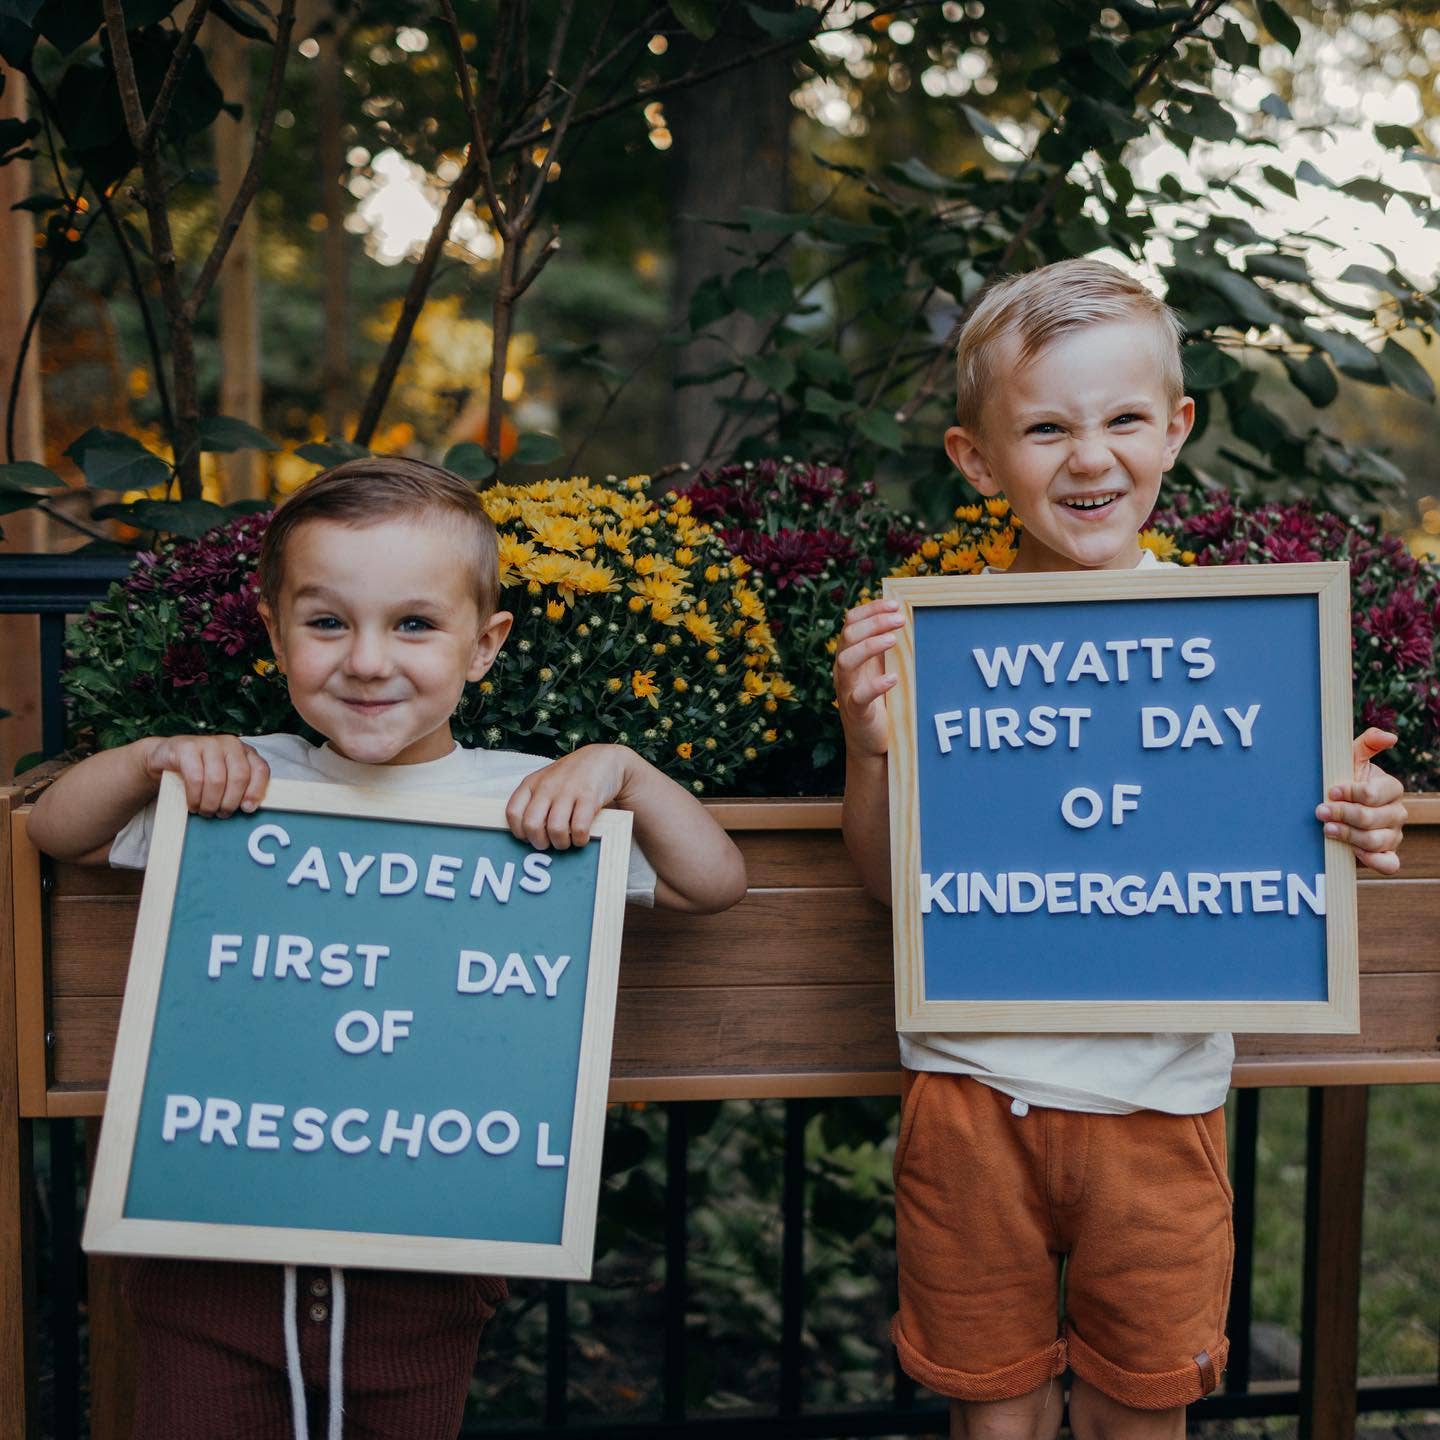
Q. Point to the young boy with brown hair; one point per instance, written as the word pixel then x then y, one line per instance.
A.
pixel 1103 1152
pixel 379 589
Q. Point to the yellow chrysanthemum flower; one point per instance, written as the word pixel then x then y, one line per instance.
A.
pixel 969 513
pixel 613 684
pixel 592 580
pixel 681 684
pixel 554 610
pixel 998 506
pixel 781 688
pixel 643 686
pixel 752 684
pixel 684 749
pixel 702 627
pixel 549 569
pixel 751 606
pixel 264 667
pixel 1160 545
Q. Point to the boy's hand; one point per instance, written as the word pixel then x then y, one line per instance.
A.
pixel 861 683
pixel 1367 813
pixel 558 805
pixel 221 772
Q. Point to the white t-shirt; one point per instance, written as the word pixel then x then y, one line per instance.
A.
pixel 1098 1074
pixel 491 774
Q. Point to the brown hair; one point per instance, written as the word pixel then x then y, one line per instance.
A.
pixel 382 487
pixel 1040 306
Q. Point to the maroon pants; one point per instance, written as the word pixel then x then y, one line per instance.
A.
pixel 212 1350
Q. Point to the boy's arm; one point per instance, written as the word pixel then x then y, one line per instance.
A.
pixel 698 866
pixel 861 685
pixel 84 810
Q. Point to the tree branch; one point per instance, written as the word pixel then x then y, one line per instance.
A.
pixel 479 145
pixel 183 46
pixel 250 183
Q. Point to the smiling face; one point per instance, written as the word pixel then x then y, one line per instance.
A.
pixel 377 630
pixel 1077 438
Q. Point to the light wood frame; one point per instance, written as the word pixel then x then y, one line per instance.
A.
pixel 1329 582
pixel 108 1231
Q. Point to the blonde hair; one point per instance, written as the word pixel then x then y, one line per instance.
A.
pixel 1040 306
pixel 383 487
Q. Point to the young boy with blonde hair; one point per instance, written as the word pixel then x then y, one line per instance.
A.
pixel 1103 1153
pixel 379 589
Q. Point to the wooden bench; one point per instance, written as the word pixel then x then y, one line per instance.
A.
pixel 788 994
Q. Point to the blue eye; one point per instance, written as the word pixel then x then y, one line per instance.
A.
pixel 1045 427
pixel 323 622
pixel 415 624
pixel 1129 418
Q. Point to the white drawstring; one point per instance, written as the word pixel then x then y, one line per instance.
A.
pixel 335 1427
pixel 292 1359
pixel 337 1355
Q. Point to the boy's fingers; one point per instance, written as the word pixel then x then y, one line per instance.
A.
pixel 872 607
pixel 1368 842
pixel 259 780
pixel 1378 787
pixel 190 766
pixel 1371 743
pixel 863 650
pixel 1383 862
pixel 1364 817
pixel 557 822
pixel 870 625
pixel 237 777
pixel 581 821
pixel 867 690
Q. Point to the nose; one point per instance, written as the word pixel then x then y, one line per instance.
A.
pixel 1089 456
pixel 368 656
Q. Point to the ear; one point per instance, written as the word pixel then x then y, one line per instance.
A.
pixel 962 445
pixel 272 629
pixel 488 641
pixel 1178 430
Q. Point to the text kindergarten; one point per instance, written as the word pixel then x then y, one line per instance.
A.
pixel 392 1024
pixel 1106 790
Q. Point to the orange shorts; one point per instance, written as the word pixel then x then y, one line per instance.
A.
pixel 987 1206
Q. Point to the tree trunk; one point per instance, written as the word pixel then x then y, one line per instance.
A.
pixel 732 148
pixel 244 471
pixel 336 258
pixel 24 530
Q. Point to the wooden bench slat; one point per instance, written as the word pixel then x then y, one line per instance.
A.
pixel 818 936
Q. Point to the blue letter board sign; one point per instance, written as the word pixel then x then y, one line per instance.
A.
pixel 1102 791
pixel 364 1030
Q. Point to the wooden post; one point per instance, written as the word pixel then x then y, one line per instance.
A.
pixel 113 1361
pixel 1330 1309
pixel 24 531
pixel 18 1319
pixel 238 285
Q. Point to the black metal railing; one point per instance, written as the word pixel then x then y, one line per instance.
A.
pixel 54 587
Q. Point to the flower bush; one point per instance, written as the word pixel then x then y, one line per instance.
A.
pixel 633 623
pixel 1395 607
pixel 813 541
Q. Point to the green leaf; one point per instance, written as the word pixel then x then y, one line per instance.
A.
pixel 232 12
pixel 21 475
pixel 1398 137
pixel 776 222
pixel 331 451
pixel 1405 372
pixel 1368 275
pixel 916 172
pixel 68 24
pixel 1207 366
pixel 469 461
pixel 190 518
pixel 1279 24
pixel 1203 117
pixel 697 16
pixel 112 461
pixel 1248 300
pixel 981 126
pixel 223 435
pixel 822 402
pixel 1313 378
pixel 775 372
pixel 1351 357
pixel 709 303
pixel 760 293
pixel 796 24
pixel 40 203
pixel 537 448
pixel 1279 179
pixel 1279 267
pixel 882 429
pixel 825 366
pixel 1312 176
pixel 1234 46
pixel 1276 108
